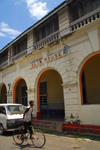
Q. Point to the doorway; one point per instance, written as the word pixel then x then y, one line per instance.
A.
pixel 51 96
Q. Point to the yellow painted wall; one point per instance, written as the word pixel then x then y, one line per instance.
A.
pixel 92 77
pixel 54 88
pixel 18 89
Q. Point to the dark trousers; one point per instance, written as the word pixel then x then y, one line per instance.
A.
pixel 27 126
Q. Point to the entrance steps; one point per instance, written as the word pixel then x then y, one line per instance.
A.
pixel 49 125
pixel 60 126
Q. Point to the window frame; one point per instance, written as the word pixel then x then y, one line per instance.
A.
pixel 82 8
pixel 45 25
pixel 23 96
pixel 46 94
pixel 18 45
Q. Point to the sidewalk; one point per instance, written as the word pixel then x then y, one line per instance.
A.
pixel 67 142
pixel 56 141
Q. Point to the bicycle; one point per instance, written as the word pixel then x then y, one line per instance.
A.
pixel 38 138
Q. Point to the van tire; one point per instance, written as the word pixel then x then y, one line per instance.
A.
pixel 1 129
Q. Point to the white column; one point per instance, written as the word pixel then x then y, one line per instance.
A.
pixel 71 103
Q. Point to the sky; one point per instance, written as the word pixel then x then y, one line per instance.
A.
pixel 18 15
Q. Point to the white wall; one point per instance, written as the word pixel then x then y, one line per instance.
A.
pixel 90 114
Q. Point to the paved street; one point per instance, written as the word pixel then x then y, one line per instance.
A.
pixel 53 142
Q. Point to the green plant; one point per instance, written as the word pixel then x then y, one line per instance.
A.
pixel 83 137
pixel 44 131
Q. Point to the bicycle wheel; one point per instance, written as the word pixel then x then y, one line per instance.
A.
pixel 38 138
pixel 18 137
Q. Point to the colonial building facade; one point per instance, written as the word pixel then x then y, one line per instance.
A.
pixel 56 63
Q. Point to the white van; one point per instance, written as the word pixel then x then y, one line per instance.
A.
pixel 11 116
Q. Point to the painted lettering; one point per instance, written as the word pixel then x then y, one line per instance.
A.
pixel 48 58
pixel 45 59
pixel 59 54
pixel 40 61
pixel 52 57
pixel 32 65
pixel 56 55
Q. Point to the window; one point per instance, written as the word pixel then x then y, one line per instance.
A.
pixel 49 28
pixel 75 14
pixel 24 95
pixel 43 92
pixel 87 7
pixel 84 88
pixel 15 109
pixel 56 24
pixel 95 4
pixel 43 32
pixel 77 11
pixel 37 34
pixel 4 57
pixel 81 10
pixel 2 110
pixel 15 50
pixel 82 7
pixel 20 46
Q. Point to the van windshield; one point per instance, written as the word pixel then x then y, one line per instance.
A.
pixel 15 109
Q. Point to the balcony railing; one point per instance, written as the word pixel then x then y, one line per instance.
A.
pixel 19 55
pixel 49 39
pixel 87 19
pixel 4 64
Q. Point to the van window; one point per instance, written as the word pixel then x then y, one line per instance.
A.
pixel 13 109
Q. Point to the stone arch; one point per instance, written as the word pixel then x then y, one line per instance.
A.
pixel 44 71
pixel 15 84
pixel 37 84
pixel 81 69
pixel 58 65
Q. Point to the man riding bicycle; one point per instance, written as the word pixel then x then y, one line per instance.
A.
pixel 37 136
pixel 27 116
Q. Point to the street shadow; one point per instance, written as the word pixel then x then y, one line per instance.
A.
pixel 26 146
pixel 7 133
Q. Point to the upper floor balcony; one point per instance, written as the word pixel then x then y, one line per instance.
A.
pixel 19 55
pixel 47 40
pixel 10 60
pixel 18 52
pixel 83 12
pixel 85 20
